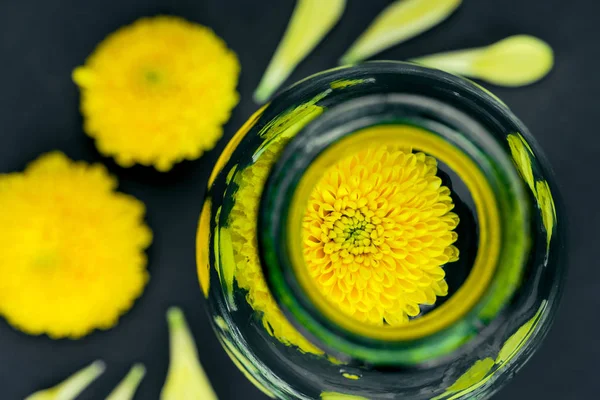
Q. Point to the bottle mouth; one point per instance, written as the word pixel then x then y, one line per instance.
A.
pixel 465 149
pixel 480 273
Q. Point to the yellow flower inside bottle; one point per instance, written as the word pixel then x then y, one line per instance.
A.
pixel 374 232
pixel 377 232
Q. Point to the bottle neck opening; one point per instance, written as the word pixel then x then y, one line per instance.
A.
pixel 493 238
pixel 416 141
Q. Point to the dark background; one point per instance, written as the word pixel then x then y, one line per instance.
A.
pixel 42 41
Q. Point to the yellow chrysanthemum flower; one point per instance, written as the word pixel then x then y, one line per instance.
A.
pixel 377 232
pixel 72 248
pixel 158 92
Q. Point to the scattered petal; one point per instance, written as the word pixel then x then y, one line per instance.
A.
pixel 515 61
pixel 400 21
pixel 310 22
pixel 72 386
pixel 185 379
pixel 128 386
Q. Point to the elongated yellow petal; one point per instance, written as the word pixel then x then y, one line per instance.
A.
pixel 518 339
pixel 515 61
pixel 340 396
pixel 547 207
pixel 522 154
pixel 70 388
pixel 473 376
pixel 227 262
pixel 126 389
pixel 186 379
pixel 202 250
pixel 399 22
pixel 310 22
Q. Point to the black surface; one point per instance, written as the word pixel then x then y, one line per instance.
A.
pixel 40 43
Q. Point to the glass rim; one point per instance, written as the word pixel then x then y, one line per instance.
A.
pixel 285 173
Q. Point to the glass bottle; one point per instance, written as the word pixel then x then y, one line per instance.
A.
pixel 381 231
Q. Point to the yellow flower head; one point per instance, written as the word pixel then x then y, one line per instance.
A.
pixel 158 92
pixel 377 232
pixel 72 248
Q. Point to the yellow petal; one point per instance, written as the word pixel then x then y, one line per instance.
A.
pixel 128 386
pixel 227 262
pixel 519 338
pixel 202 247
pixel 72 386
pixel 310 22
pixel 233 144
pixel 515 61
pixel 474 376
pixel 399 22
pixel 521 154
pixel 244 365
pixel 546 205
pixel 186 378
pixel 340 396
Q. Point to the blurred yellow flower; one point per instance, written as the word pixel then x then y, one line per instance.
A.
pixel 72 248
pixel 377 231
pixel 158 92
